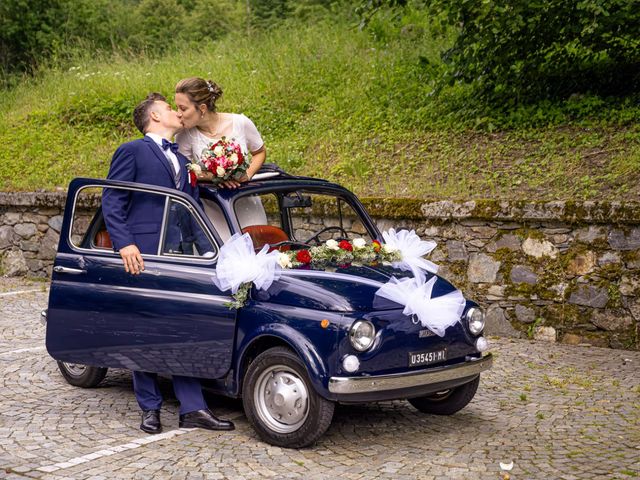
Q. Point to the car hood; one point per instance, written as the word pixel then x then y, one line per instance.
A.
pixel 346 289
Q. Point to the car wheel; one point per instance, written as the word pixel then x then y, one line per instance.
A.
pixel 82 375
pixel 447 402
pixel 280 402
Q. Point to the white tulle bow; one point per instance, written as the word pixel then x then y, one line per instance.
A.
pixel 436 314
pixel 411 249
pixel 238 263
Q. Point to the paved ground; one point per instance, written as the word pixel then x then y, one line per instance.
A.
pixel 556 412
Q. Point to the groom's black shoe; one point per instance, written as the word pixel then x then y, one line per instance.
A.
pixel 204 419
pixel 151 421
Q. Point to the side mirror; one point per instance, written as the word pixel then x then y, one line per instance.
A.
pixel 297 201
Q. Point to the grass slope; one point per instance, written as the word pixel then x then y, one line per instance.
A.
pixel 331 102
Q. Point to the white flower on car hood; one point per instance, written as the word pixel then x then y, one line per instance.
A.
pixel 332 244
pixel 283 260
pixel 359 243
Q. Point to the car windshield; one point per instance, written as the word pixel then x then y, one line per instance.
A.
pixel 298 219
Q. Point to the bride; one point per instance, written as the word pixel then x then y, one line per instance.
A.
pixel 196 103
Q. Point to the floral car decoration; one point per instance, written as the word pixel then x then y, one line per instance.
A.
pixel 327 308
pixel 240 267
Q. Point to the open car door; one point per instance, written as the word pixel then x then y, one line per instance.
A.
pixel 169 319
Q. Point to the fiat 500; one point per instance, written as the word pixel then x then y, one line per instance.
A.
pixel 319 335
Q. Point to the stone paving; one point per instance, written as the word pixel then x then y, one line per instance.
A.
pixel 556 412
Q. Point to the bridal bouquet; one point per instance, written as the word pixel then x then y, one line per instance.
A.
pixel 224 159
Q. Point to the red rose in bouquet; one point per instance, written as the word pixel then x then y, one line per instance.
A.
pixel 224 159
pixel 303 256
pixel 345 245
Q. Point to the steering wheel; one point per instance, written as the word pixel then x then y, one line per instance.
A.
pixel 316 238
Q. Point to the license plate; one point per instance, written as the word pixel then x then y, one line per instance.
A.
pixel 426 358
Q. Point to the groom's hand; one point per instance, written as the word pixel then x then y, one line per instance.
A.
pixel 132 259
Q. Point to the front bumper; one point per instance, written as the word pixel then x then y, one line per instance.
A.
pixel 407 385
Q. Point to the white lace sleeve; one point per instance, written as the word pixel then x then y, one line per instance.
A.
pixel 251 134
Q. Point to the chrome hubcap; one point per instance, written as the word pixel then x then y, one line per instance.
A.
pixel 281 399
pixel 75 369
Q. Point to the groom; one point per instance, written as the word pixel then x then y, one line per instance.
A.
pixel 133 221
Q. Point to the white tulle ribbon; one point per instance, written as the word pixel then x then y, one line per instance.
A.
pixel 411 249
pixel 436 314
pixel 238 263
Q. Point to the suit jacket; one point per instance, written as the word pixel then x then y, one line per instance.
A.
pixel 136 217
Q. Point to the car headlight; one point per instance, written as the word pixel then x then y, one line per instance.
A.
pixel 475 320
pixel 362 335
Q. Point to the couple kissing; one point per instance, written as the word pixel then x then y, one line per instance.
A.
pixel 134 219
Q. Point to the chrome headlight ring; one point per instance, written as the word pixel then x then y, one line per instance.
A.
pixel 475 320
pixel 362 335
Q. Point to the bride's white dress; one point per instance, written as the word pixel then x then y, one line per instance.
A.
pixel 192 142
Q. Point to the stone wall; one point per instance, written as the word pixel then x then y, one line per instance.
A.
pixel 558 271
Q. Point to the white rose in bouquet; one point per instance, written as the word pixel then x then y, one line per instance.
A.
pixel 359 243
pixel 389 248
pixel 332 244
pixel 220 171
pixel 283 260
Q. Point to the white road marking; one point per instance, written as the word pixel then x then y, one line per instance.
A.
pixel 18 292
pixel 113 450
pixel 123 448
pixel 21 350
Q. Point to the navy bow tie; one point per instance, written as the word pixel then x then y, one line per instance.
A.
pixel 166 144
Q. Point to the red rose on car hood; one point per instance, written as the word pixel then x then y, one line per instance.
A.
pixel 303 256
pixel 345 245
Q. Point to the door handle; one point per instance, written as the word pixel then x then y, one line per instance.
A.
pixel 71 271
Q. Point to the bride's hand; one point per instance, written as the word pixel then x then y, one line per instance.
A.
pixel 230 184
pixel 234 183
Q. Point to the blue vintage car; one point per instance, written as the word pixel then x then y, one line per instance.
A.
pixel 317 336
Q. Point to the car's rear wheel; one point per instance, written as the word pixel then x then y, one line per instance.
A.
pixel 80 375
pixel 447 402
pixel 280 402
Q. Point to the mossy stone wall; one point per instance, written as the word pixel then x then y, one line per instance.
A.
pixel 554 271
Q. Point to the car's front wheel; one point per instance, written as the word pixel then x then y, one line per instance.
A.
pixel 82 375
pixel 447 402
pixel 280 402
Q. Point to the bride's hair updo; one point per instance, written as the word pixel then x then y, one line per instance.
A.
pixel 200 91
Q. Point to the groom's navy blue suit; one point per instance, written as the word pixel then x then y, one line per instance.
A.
pixel 135 218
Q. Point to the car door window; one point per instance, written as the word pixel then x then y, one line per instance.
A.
pixel 184 234
pixel 88 230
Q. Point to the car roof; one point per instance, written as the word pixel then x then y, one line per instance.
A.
pixel 273 177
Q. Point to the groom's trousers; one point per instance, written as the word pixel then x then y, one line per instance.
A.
pixel 188 391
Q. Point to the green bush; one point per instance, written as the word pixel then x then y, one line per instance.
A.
pixel 37 33
pixel 519 51
pixel 524 51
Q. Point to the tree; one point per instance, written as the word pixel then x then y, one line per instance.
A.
pixel 521 50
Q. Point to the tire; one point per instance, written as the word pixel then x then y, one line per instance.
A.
pixel 306 414
pixel 449 401
pixel 82 375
